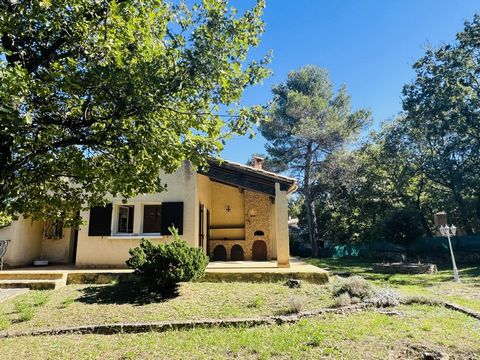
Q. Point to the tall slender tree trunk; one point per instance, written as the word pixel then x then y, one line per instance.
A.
pixel 309 204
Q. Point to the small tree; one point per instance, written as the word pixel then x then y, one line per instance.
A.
pixel 161 267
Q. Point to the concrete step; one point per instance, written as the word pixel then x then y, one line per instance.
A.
pixel 32 284
pixel 30 275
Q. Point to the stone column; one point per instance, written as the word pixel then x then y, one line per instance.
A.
pixel 281 224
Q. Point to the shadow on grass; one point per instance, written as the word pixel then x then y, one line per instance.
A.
pixel 134 293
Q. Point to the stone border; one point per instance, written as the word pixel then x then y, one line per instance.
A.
pixel 463 310
pixel 162 326
pixel 404 268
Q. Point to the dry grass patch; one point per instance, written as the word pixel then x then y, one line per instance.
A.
pixel 76 305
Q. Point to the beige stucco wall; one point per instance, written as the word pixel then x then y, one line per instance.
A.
pixel 228 227
pixel 26 241
pixel 58 251
pixel 223 196
pixel 281 223
pixel 184 185
pixel 112 251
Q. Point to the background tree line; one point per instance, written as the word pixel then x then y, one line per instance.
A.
pixel 388 185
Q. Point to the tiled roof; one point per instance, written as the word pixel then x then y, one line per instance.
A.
pixel 259 172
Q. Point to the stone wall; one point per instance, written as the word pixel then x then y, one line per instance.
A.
pixel 258 210
pixel 257 218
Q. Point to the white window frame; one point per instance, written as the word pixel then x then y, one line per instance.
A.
pixel 115 222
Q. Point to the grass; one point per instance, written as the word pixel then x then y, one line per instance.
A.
pixel 439 285
pixel 23 308
pixel 417 329
pixel 368 335
pixel 96 304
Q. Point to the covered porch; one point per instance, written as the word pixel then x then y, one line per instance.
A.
pixel 243 215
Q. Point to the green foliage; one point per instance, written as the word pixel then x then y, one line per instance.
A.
pixel 97 97
pixel 424 161
pixel 308 120
pixel 400 226
pixel 5 220
pixel 161 267
pixel 441 126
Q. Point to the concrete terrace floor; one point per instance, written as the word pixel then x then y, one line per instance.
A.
pixel 216 271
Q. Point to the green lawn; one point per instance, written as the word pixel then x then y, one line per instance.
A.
pixel 367 335
pixel 439 285
pixel 413 331
pixel 96 304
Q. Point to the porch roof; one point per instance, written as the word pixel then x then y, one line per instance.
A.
pixel 247 177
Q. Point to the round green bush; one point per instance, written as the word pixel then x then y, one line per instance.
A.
pixel 161 267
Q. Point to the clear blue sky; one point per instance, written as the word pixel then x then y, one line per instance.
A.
pixel 369 45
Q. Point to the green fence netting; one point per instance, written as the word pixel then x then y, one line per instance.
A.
pixel 425 247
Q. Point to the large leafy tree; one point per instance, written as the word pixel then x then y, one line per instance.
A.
pixel 308 122
pixel 97 96
pixel 442 123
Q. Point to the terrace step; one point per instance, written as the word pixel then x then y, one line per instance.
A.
pixel 34 283
pixel 30 284
pixel 31 275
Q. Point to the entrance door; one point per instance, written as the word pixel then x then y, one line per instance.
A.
pixel 259 250
pixel 73 246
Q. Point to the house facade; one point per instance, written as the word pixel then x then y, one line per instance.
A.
pixel 232 211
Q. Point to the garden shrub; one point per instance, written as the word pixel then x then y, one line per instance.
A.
pixel 384 298
pixel 162 267
pixel 422 300
pixel 355 287
pixel 297 304
pixel 343 300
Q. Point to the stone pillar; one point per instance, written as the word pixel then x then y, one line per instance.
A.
pixel 281 224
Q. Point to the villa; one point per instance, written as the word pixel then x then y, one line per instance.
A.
pixel 232 211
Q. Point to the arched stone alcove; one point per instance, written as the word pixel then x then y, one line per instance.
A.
pixel 236 254
pixel 219 253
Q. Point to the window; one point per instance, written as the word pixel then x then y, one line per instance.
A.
pixel 125 218
pixel 53 229
pixel 152 219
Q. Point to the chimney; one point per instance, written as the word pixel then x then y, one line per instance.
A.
pixel 258 162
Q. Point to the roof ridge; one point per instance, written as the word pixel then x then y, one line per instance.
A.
pixel 251 168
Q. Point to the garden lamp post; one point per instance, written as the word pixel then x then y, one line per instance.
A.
pixel 451 231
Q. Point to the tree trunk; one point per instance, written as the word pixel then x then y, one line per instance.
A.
pixel 310 209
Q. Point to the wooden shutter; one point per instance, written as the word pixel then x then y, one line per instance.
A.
pixel 172 215
pixel 100 221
